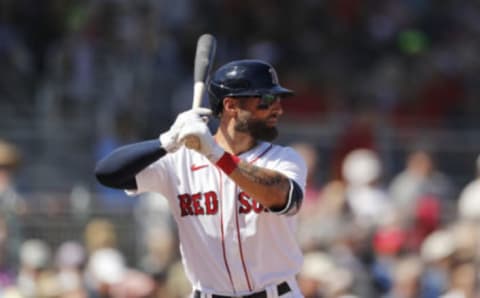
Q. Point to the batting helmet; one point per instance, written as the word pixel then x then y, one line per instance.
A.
pixel 243 78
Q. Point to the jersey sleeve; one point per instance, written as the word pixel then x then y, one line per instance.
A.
pixel 292 165
pixel 157 177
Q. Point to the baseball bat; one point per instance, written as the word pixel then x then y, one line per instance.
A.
pixel 204 56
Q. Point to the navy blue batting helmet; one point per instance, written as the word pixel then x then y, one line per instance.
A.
pixel 243 78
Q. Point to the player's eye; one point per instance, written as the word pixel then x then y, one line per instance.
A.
pixel 266 100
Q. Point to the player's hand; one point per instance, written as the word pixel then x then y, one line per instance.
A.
pixel 208 147
pixel 169 139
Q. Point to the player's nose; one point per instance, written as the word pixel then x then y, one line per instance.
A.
pixel 277 107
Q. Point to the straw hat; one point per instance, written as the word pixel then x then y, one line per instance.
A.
pixel 437 246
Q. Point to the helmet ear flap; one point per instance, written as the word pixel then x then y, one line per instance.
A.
pixel 215 96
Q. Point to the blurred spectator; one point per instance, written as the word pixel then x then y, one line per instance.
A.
pixel 466 239
pixel 420 178
pixel 108 275
pixel 390 237
pixel 7 264
pixel 322 205
pixel 324 222
pixel 177 284
pixel 321 277
pixel 351 251
pixel 406 277
pixel 463 280
pixel 425 218
pixel 388 241
pixel 70 259
pixel 105 270
pixel 155 231
pixel 35 275
pixel 100 233
pixel 437 251
pixel 313 276
pixel 469 200
pixel 12 206
pixel 161 252
pixel 135 284
pixel 366 199
pixel 312 192
pixel 10 199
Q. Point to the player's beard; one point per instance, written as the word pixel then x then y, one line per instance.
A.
pixel 258 129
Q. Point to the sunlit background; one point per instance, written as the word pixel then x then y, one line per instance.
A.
pixel 386 113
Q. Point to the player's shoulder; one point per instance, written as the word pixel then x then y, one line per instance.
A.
pixel 284 152
pixel 282 148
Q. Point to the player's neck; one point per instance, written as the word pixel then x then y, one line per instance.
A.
pixel 233 141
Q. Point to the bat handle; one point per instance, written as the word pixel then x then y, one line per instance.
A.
pixel 198 89
pixel 192 142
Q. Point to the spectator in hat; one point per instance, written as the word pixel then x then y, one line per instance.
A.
pixel 468 202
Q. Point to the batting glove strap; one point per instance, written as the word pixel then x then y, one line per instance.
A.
pixel 228 163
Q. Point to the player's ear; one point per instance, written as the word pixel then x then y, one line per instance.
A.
pixel 230 106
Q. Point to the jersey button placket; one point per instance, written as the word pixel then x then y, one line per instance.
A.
pixel 234 257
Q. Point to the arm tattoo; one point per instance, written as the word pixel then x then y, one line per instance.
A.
pixel 255 174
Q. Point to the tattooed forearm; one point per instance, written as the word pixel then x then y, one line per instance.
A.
pixel 263 177
pixel 268 187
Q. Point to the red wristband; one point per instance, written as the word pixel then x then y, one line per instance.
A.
pixel 228 163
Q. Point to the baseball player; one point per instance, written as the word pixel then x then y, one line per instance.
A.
pixel 235 198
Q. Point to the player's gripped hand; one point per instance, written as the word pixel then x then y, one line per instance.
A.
pixel 169 139
pixel 208 147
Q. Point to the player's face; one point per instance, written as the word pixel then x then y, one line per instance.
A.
pixel 258 116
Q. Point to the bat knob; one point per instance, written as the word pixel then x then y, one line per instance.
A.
pixel 192 142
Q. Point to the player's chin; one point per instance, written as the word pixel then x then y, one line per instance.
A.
pixel 265 133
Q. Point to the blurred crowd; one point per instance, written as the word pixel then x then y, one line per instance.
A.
pixel 379 220
pixel 92 255
pixel 100 73
pixel 412 236
pixel 407 62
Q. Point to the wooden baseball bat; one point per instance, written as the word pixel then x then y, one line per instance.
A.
pixel 204 56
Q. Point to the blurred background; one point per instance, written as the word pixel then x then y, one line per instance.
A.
pixel 385 113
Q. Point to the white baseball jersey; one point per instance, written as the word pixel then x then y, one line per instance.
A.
pixel 230 244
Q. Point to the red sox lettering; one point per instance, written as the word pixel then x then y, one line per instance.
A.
pixel 207 204
pixel 247 204
pixel 198 203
